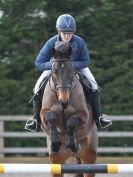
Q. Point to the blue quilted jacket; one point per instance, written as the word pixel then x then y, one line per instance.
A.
pixel 80 55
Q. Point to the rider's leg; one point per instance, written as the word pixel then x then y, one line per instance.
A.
pixel 38 83
pixel 100 119
pixel 88 74
pixel 33 124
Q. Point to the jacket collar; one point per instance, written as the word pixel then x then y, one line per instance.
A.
pixel 72 41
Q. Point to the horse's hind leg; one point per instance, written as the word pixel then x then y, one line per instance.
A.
pixel 72 123
pixel 55 141
pixel 89 157
pixel 78 162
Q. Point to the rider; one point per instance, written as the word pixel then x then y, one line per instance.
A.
pixel 66 28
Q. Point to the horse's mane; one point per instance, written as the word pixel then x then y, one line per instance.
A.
pixel 62 49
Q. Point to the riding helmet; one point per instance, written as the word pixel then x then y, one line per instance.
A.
pixel 66 23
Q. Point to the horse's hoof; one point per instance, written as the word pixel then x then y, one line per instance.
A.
pixel 50 116
pixel 55 145
pixel 74 147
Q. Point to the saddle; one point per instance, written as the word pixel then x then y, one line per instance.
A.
pixel 87 87
pixel 43 85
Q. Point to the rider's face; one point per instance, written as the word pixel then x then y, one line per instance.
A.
pixel 66 37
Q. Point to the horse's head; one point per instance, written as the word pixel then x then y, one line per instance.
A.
pixel 62 71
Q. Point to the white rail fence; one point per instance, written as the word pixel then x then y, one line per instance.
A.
pixel 42 150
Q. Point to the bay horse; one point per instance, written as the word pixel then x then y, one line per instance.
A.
pixel 65 115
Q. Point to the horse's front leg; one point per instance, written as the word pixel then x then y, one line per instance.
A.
pixel 72 123
pixel 51 118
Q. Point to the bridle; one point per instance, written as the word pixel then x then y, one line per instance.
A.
pixel 57 86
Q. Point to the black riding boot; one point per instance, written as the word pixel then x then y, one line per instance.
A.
pixel 34 123
pixel 101 120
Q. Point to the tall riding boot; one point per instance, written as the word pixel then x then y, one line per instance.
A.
pixel 34 123
pixel 101 120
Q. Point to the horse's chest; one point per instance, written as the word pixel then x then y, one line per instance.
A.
pixel 67 112
pixel 62 114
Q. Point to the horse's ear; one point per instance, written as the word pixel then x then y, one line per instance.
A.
pixel 70 50
pixel 53 52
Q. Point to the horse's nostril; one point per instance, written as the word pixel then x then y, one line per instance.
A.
pixel 64 104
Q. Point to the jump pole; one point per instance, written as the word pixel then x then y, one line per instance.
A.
pixel 65 168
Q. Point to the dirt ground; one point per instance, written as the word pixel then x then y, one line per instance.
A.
pixel 106 160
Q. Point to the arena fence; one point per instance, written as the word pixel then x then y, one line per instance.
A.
pixel 43 150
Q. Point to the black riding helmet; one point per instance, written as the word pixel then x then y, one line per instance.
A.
pixel 66 23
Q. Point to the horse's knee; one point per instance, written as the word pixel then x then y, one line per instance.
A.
pixel 50 116
pixel 73 122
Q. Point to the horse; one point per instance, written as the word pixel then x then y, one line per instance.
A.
pixel 66 117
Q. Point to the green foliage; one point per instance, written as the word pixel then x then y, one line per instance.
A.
pixel 106 27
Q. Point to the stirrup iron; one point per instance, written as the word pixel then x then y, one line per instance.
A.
pixel 108 121
pixel 28 124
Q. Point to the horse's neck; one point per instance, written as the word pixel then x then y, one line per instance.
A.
pixel 78 89
pixel 49 95
pixel 77 94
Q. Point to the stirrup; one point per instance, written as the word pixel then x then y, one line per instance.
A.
pixel 28 124
pixel 104 121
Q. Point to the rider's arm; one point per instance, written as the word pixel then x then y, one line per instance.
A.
pixel 43 60
pixel 82 60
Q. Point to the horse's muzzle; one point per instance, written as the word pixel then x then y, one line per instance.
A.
pixel 64 105
pixel 63 96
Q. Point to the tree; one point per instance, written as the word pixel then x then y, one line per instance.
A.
pixel 106 27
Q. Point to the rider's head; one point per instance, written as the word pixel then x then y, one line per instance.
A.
pixel 66 24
